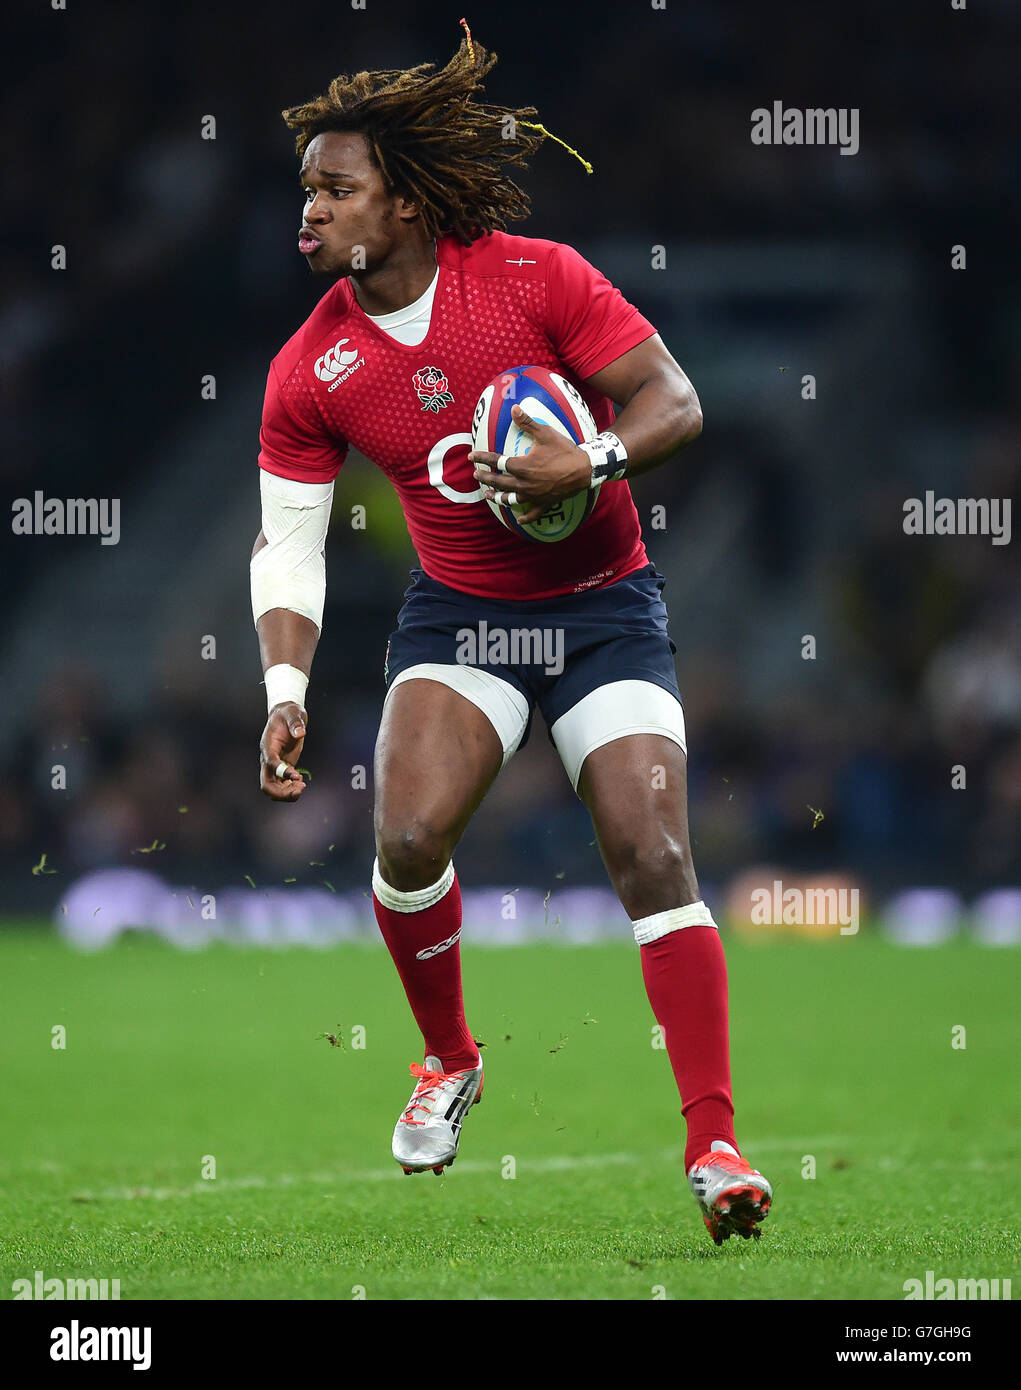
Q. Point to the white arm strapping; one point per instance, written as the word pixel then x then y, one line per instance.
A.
pixel 290 569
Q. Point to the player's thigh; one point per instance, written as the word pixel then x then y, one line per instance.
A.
pixel 635 788
pixel 436 756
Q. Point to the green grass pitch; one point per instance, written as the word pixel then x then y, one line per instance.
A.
pixel 841 1051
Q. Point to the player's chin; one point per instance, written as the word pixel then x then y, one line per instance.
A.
pixel 323 262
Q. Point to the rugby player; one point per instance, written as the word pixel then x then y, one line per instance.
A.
pixel 407 196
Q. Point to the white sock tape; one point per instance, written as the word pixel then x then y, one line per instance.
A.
pixel 418 899
pixel 662 923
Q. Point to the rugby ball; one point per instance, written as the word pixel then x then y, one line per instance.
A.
pixel 551 399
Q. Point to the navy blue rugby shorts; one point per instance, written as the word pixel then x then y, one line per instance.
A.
pixel 613 633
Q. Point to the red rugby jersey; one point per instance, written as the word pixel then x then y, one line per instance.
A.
pixel 503 302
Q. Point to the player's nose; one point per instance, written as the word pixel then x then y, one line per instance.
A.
pixel 316 211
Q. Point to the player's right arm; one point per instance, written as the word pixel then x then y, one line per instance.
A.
pixel 298 462
pixel 288 577
pixel 284 639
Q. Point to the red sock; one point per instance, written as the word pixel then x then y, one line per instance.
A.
pixel 685 976
pixel 433 985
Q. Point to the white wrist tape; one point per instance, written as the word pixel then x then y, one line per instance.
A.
pixel 607 456
pixel 290 569
pixel 285 685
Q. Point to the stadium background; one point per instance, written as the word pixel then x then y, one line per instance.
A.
pixel 784 519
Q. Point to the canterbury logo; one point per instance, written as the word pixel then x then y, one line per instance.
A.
pixel 332 363
pixel 435 950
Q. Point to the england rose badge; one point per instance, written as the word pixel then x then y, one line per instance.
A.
pixel 431 388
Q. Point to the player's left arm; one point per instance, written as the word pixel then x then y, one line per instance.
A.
pixel 660 415
pixel 660 411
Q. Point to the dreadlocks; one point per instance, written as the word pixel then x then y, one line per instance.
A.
pixel 433 143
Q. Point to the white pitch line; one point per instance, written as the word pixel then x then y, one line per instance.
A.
pixel 552 1164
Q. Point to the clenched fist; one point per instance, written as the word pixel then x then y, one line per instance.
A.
pixel 282 741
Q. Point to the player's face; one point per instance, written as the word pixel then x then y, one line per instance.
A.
pixel 350 223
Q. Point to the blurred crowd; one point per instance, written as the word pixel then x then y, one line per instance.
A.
pixel 909 746
pixel 160 224
pixel 169 236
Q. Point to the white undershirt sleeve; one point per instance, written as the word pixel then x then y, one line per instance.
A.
pixel 290 569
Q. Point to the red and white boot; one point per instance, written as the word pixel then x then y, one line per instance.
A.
pixel 731 1194
pixel 429 1129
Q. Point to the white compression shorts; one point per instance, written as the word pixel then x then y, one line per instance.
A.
pixel 613 711
pixel 290 569
pixel 610 712
pixel 502 703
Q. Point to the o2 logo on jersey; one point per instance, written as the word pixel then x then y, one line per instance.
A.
pixel 332 363
pixel 436 460
pixel 431 388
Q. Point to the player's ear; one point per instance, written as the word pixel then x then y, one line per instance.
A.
pixel 407 210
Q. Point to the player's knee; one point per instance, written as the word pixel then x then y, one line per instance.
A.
pixel 656 871
pixel 411 855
